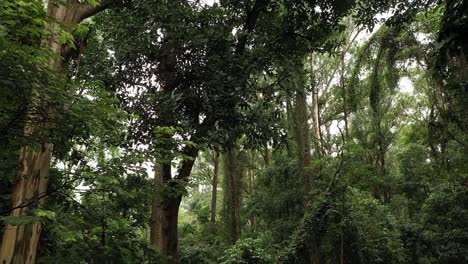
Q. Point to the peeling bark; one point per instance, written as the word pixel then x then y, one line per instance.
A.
pixel 19 242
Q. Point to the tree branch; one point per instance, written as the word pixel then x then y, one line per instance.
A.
pixel 86 10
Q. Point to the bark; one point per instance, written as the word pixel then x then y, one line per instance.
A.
pixel 316 115
pixel 232 194
pixel 164 213
pixel 266 155
pixel 165 208
pixel 252 181
pixel 19 242
pixel 214 192
pixel 291 127
pixel 156 224
pixel 170 216
pixel 303 142
pixel 251 172
pixel 302 137
pixel 301 127
pixel 316 122
pixel 343 88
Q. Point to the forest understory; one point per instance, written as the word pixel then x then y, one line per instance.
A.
pixel 233 131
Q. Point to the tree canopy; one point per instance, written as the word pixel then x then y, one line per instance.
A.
pixel 233 131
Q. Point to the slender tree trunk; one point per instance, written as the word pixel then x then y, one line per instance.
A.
pixel 266 155
pixel 344 96
pixel 214 192
pixel 316 114
pixel 19 242
pixel 291 127
pixel 251 172
pixel 252 180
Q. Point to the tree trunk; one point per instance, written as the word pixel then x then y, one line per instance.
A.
pixel 303 142
pixel 167 197
pixel 344 97
pixel 214 192
pixel 164 219
pixel 156 221
pixel 19 242
pixel 169 219
pixel 316 114
pixel 266 155
pixel 164 212
pixel 316 122
pixel 232 194
pixel 252 180
pixel 301 126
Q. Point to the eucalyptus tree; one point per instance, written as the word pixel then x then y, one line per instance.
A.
pixel 52 28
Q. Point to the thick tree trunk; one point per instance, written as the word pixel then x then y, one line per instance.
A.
pixel 164 213
pixel 214 192
pixel 302 130
pixel 232 194
pixel 164 218
pixel 169 219
pixel 303 142
pixel 167 197
pixel 156 221
pixel 19 242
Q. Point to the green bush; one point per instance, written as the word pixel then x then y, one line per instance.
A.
pixel 445 224
pixel 247 251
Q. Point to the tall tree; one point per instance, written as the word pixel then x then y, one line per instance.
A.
pixel 233 187
pixel 214 191
pixel 19 243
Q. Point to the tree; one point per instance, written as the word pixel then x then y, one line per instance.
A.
pixel 214 184
pixel 187 94
pixel 19 242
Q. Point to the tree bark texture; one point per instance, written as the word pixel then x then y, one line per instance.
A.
pixel 19 242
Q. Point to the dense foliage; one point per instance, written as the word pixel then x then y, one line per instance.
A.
pixel 250 131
